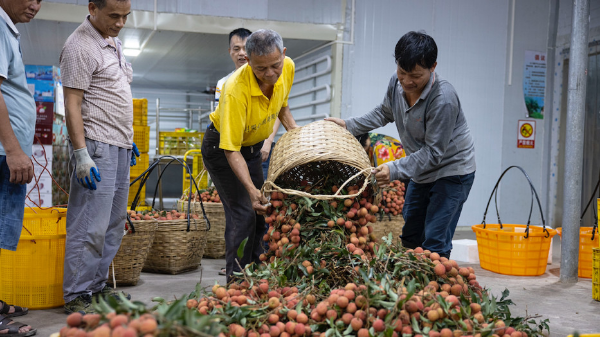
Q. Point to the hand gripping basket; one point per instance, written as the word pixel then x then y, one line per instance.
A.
pixel 326 147
pixel 514 249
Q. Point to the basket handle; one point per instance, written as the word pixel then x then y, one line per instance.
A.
pixel 144 177
pixel 533 192
pixel 270 186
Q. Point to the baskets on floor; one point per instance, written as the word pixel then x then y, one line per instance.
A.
pixel 326 147
pixel 130 258
pixel 32 276
pixel 177 248
pixel 586 244
pixel 514 249
pixel 215 238
pixel 389 224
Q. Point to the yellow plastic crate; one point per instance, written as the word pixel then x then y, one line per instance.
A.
pixel 141 138
pixel 143 162
pixel 133 191
pixel 140 111
pixel 178 143
pixel 596 274
pixel 32 276
pixel 197 168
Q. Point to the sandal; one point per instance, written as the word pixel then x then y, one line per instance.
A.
pixel 19 311
pixel 223 272
pixel 13 329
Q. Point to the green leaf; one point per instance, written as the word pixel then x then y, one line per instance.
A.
pixel 240 252
pixel 348 330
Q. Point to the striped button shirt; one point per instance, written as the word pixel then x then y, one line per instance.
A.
pixel 89 63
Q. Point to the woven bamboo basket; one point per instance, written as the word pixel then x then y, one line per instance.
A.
pixel 389 224
pixel 215 238
pixel 175 249
pixel 130 258
pixel 326 147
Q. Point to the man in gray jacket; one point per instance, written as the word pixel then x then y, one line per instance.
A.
pixel 440 161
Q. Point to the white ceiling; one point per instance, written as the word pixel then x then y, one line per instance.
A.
pixel 170 60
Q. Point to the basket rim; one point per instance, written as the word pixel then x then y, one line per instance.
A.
pixel 540 233
pixel 585 232
pixel 53 212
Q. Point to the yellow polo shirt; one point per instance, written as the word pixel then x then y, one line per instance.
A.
pixel 245 116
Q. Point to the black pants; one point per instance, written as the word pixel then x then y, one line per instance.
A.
pixel 241 220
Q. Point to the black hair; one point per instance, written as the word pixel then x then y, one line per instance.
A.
pixel 362 139
pixel 415 48
pixel 242 33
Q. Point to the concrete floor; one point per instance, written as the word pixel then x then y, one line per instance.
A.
pixel 569 307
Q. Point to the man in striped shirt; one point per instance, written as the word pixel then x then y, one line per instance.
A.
pixel 99 115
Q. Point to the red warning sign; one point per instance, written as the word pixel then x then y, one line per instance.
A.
pixel 526 135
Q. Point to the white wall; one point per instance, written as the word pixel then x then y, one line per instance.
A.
pixel 471 38
pixel 310 11
pixel 531 33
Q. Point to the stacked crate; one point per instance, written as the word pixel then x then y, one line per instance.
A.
pixel 141 137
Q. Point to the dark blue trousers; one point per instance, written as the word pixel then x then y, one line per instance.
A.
pixel 431 212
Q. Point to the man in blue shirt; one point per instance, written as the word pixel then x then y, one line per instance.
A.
pixel 17 122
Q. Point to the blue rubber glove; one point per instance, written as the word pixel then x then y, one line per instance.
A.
pixel 87 172
pixel 134 153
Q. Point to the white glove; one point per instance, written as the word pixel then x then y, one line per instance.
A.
pixel 86 169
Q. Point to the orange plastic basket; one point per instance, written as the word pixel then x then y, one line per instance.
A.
pixel 510 249
pixel 586 244
pixel 507 250
pixel 32 276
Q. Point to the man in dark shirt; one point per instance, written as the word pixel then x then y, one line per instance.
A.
pixel 440 152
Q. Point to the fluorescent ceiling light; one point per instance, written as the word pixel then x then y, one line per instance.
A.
pixel 132 44
pixel 131 52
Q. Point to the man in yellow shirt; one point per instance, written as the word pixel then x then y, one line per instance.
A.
pixel 252 99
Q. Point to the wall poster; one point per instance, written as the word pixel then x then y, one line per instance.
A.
pixel 534 83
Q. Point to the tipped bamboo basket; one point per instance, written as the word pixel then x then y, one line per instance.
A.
pixel 326 147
